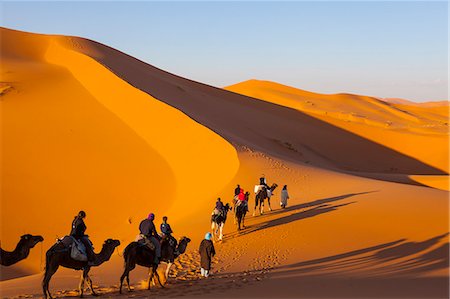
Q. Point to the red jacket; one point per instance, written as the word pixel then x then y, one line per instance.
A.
pixel 241 195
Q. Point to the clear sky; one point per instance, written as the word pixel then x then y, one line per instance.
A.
pixel 384 49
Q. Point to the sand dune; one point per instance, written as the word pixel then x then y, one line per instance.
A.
pixel 261 125
pixel 77 137
pixel 88 127
pixel 417 131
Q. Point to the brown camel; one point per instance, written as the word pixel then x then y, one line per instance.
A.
pixel 22 250
pixel 169 254
pixel 139 254
pixel 59 255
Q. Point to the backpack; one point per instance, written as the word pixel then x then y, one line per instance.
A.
pixel 78 251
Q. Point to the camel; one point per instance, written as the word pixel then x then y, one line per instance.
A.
pixel 261 195
pixel 169 254
pixel 218 221
pixel 59 255
pixel 139 254
pixel 22 250
pixel 241 211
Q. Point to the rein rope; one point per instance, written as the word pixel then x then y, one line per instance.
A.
pixel 117 248
pixel 40 264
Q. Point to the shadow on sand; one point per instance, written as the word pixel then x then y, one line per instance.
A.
pixel 295 213
pixel 397 269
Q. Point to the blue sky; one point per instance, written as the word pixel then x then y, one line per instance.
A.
pixel 384 49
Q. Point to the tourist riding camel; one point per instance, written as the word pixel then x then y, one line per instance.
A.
pixel 148 231
pixel 237 190
pixel 77 232
pixel 166 233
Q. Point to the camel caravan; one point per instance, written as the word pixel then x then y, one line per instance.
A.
pixel 149 249
pixel 240 206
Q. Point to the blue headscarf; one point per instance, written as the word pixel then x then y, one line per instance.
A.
pixel 208 236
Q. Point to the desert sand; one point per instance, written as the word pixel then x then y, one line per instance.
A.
pixel 85 126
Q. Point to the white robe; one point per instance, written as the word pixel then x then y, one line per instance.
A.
pixel 284 197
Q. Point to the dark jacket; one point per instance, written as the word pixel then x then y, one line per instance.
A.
pixel 237 191
pixel 147 228
pixel 78 228
pixel 219 205
pixel 166 229
pixel 262 181
pixel 206 251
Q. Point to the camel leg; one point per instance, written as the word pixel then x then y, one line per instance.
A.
pixel 157 276
pixel 128 282
pixel 90 285
pixel 221 231
pixel 262 206
pixel 151 272
pixel 168 270
pixel 268 201
pixel 49 271
pixel 126 274
pixel 212 230
pixel 81 285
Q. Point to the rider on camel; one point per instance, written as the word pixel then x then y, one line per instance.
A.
pixel 166 232
pixel 77 232
pixel 148 230
pixel 263 182
pixel 237 190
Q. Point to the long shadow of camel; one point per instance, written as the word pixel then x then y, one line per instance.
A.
pixel 384 260
pixel 318 207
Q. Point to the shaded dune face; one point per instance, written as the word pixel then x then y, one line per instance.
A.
pixel 270 128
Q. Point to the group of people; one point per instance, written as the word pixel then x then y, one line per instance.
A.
pixel 241 197
pixel 149 235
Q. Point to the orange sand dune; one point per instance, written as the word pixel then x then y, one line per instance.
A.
pixel 410 103
pixel 77 137
pixel 417 131
pixel 88 127
pixel 268 127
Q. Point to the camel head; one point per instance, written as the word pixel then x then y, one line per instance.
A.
pixel 107 250
pixel 30 241
pixel 111 244
pixel 182 244
pixel 274 186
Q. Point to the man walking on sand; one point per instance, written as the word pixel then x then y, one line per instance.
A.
pixel 206 251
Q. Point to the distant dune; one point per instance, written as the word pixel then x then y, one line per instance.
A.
pixel 85 126
pixel 411 103
pixel 266 126
pixel 418 131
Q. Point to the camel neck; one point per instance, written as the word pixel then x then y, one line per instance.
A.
pixel 21 249
pixel 103 256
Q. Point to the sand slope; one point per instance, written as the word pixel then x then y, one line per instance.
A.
pixel 266 126
pixel 77 137
pixel 418 131
pixel 76 130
